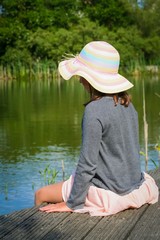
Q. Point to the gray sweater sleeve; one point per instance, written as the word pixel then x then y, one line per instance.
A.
pixel 87 164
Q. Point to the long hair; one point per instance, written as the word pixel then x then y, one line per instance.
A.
pixel 123 97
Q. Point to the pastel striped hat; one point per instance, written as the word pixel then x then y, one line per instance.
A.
pixel 98 63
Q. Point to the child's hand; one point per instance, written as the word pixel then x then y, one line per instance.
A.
pixel 58 207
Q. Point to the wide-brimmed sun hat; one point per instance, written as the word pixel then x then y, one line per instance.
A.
pixel 98 62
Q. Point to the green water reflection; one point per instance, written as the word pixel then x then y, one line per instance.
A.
pixel 40 112
pixel 40 123
pixel 152 88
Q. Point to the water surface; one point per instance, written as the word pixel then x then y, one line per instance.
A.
pixel 40 124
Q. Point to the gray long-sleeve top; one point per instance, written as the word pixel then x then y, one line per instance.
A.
pixel 109 156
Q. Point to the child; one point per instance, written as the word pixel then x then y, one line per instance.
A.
pixel 108 178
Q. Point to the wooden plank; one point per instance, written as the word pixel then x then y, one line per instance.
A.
pixel 155 174
pixel 148 227
pixel 36 226
pixel 75 227
pixel 11 221
pixel 116 226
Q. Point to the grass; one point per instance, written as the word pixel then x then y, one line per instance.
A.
pixel 140 67
pixel 40 70
pixel 48 175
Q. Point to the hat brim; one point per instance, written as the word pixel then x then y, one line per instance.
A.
pixel 106 83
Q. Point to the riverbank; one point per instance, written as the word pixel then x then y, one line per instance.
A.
pixel 36 70
pixel 48 70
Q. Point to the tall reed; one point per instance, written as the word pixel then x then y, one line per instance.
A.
pixel 145 129
pixel 37 69
pixel 139 66
pixel 48 70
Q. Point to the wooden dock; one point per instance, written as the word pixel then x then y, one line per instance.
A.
pixel 133 224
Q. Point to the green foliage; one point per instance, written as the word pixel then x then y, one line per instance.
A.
pixel 64 12
pixel 48 175
pixel 44 30
pixel 13 55
pixel 6 191
pixel 111 13
pixel 38 45
pixel 148 18
pixel 40 13
pixel 129 43
pixel 153 161
pixel 152 49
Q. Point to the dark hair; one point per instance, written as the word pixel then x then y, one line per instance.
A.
pixel 123 97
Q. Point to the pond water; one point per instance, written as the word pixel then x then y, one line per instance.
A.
pixel 40 124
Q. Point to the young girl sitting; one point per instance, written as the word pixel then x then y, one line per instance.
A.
pixel 108 177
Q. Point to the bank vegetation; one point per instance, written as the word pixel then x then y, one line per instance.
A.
pixel 34 35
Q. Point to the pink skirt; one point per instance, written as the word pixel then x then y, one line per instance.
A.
pixel 100 202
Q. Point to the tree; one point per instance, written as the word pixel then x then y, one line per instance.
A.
pixel 20 19
pixel 110 13
pixel 40 13
pixel 46 29
pixel 148 18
